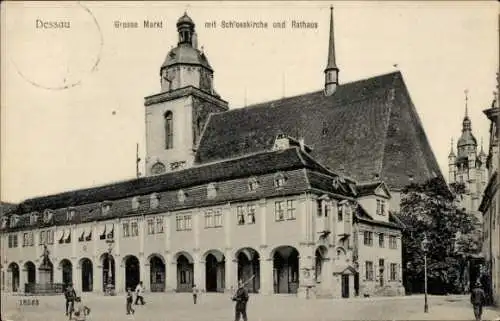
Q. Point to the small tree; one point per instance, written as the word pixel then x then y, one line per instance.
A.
pixel 432 208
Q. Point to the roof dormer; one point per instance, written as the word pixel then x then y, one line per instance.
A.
pixel 374 197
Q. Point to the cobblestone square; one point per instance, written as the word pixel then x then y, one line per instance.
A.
pixel 179 307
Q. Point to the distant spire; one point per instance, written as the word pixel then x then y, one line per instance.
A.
pixel 466 124
pixel 466 91
pixel 137 161
pixel 482 153
pixel 331 71
pixel 331 44
pixel 452 153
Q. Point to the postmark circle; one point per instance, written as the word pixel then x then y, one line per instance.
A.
pixel 53 46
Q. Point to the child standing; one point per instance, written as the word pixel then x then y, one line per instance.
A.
pixel 195 293
pixel 130 299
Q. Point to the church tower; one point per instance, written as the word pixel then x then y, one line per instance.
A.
pixel 175 117
pixel 331 71
pixel 468 167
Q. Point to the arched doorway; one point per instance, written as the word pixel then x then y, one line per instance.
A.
pixel 67 272
pixel 30 270
pixel 319 260
pixel 286 269
pixel 157 273
pixel 249 268
pixel 108 271
pixel 132 272
pixel 185 268
pixel 13 270
pixel 87 275
pixel 215 271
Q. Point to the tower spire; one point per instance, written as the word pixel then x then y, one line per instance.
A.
pixel 452 153
pixel 331 44
pixel 466 91
pixel 331 71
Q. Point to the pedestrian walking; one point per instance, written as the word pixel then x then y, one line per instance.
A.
pixel 139 292
pixel 478 299
pixel 70 296
pixel 130 300
pixel 195 293
pixel 241 298
pixel 80 311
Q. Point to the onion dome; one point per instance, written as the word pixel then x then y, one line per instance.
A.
pixel 185 19
pixel 186 52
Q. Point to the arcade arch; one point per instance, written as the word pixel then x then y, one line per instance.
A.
pixel 285 269
pixel 215 271
pixel 249 268
pixel 87 275
pixel 156 273
pixel 185 269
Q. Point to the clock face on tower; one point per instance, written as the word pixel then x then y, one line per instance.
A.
pixel 158 168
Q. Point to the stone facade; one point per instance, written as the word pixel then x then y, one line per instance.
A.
pixel 490 207
pixel 280 234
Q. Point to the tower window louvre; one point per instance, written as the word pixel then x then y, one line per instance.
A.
pixel 169 130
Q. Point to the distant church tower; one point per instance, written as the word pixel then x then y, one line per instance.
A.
pixel 468 167
pixel 175 117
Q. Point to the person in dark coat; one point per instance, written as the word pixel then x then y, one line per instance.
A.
pixel 70 295
pixel 241 298
pixel 478 299
pixel 130 300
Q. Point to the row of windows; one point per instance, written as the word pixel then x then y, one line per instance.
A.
pixel 343 211
pixel 246 214
pixel 213 218
pixel 284 210
pixel 47 237
pixel 370 273
pixel 368 240
pixel 130 228
pixel 12 240
pixel 155 228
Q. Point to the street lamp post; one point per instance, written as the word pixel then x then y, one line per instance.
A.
pixel 425 244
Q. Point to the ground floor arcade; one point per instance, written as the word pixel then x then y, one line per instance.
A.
pixel 280 270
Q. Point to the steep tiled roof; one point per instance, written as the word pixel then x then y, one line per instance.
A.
pixel 250 165
pixel 6 208
pixel 362 216
pixel 366 127
pixel 367 188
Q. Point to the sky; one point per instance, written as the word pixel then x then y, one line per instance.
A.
pixel 72 99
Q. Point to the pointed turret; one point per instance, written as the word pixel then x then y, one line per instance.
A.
pixel 331 71
pixel 467 143
pixel 452 152
pixel 481 152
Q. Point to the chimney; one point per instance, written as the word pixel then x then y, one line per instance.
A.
pixel 301 143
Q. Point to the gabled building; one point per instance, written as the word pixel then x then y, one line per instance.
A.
pixel 296 195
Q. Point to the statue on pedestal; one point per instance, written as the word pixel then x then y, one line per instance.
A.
pixel 45 256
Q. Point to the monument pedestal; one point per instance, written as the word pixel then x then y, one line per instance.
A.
pixel 45 275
